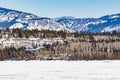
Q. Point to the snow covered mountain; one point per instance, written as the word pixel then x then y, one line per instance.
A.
pixel 107 23
pixel 16 19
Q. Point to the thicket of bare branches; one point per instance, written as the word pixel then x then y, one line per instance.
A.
pixel 75 49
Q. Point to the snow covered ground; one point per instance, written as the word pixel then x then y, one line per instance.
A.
pixel 60 70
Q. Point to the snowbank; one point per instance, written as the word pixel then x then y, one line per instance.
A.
pixel 60 70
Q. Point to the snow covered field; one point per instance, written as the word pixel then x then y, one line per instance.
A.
pixel 60 70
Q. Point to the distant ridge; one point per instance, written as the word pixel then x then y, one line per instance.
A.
pixel 17 19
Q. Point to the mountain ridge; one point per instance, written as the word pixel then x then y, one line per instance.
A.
pixel 17 19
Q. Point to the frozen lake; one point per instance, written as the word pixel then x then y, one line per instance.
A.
pixel 60 70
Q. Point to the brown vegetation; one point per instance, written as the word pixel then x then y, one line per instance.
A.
pixel 77 46
pixel 73 49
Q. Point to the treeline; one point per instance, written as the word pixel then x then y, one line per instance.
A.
pixel 20 33
pixel 113 33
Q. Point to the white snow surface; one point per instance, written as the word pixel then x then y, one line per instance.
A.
pixel 16 25
pixel 110 29
pixel 115 16
pixel 60 70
